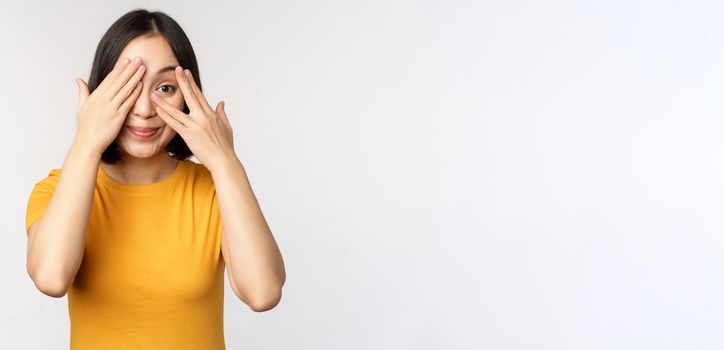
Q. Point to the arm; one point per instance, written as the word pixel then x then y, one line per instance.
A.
pixel 56 241
pixel 252 257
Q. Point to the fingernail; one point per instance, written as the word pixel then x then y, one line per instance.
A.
pixel 125 60
pixel 188 72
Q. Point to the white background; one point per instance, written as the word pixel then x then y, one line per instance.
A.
pixel 438 174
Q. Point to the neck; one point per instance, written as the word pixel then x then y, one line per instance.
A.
pixel 132 170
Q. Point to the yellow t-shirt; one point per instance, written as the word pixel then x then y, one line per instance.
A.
pixel 152 270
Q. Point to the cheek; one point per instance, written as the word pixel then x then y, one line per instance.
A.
pixel 168 134
pixel 177 101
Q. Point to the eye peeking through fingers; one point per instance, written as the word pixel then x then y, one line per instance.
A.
pixel 171 88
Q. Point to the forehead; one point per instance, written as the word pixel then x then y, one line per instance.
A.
pixel 153 50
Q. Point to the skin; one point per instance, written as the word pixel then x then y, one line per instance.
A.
pixel 252 258
pixel 253 261
pixel 144 160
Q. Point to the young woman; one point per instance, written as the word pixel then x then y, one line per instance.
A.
pixel 136 234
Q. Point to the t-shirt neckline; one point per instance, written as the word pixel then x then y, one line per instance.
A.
pixel 154 187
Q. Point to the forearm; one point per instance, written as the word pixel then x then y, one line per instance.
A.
pixel 55 253
pixel 254 258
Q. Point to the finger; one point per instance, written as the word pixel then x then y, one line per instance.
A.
pixel 174 123
pixel 222 113
pixel 83 91
pixel 123 78
pixel 171 110
pixel 117 69
pixel 129 87
pixel 197 91
pixel 189 95
pixel 126 105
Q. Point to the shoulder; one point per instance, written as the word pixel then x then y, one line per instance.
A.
pixel 198 174
pixel 193 166
pixel 197 169
pixel 54 173
pixel 51 179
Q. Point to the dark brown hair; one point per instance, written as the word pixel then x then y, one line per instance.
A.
pixel 136 23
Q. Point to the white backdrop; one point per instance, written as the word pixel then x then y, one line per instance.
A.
pixel 438 174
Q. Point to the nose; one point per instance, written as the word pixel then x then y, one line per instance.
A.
pixel 144 107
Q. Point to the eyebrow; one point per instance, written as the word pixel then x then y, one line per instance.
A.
pixel 166 69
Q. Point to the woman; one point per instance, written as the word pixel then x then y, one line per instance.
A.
pixel 135 233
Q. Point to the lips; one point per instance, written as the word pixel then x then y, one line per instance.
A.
pixel 143 133
pixel 141 130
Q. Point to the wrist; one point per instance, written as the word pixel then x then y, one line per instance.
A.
pixel 82 150
pixel 225 163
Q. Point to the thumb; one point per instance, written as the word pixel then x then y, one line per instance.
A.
pixel 83 91
pixel 221 111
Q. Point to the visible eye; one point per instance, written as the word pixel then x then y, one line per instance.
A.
pixel 167 85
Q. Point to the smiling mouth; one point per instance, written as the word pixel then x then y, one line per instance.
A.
pixel 143 132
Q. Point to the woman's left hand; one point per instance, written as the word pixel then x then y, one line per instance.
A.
pixel 207 132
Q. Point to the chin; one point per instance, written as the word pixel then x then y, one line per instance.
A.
pixel 141 151
pixel 141 155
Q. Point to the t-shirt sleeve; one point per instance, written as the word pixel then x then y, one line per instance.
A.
pixel 215 215
pixel 211 206
pixel 39 198
pixel 214 205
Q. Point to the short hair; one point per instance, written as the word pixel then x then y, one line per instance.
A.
pixel 139 22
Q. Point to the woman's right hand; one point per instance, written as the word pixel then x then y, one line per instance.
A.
pixel 101 114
